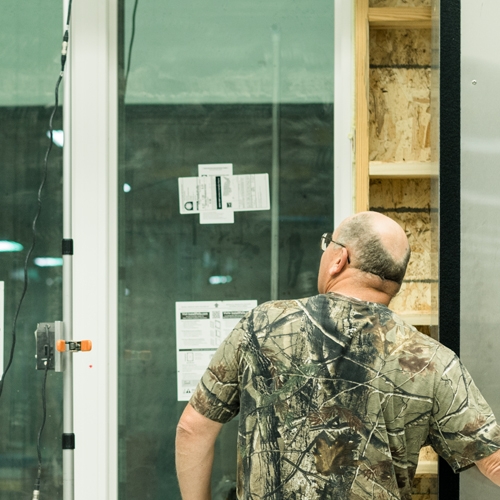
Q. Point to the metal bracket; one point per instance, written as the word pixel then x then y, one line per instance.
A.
pixel 47 335
pixel 73 345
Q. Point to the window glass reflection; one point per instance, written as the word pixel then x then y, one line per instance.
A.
pixel 246 83
pixel 30 37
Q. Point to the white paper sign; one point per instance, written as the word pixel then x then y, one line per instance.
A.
pixel 205 169
pixel 250 192
pixel 232 193
pixel 198 194
pixel 200 328
pixel 224 216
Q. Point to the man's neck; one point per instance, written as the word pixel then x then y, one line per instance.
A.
pixel 365 293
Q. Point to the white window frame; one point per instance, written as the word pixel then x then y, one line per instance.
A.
pixel 93 125
pixel 92 97
pixel 343 112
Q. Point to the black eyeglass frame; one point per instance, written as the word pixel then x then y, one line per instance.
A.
pixel 326 239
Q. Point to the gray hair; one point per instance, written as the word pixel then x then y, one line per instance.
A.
pixel 368 252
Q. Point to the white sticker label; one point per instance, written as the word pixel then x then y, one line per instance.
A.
pixel 200 329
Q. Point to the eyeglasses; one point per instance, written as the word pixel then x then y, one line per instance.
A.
pixel 326 239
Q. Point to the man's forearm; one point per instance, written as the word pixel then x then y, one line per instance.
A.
pixel 490 467
pixel 193 470
pixel 194 454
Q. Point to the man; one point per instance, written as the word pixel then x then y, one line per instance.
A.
pixel 336 394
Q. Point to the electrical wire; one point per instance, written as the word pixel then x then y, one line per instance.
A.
pixel 36 492
pixel 39 200
pixel 33 241
pixel 131 44
pixel 64 51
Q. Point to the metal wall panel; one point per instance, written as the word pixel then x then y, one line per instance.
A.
pixel 480 193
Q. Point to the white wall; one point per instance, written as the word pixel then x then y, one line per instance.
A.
pixel 480 266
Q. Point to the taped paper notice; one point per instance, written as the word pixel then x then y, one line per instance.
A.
pixel 205 169
pixel 219 193
pixel 200 328
pixel 251 192
pixel 224 216
pixel 203 194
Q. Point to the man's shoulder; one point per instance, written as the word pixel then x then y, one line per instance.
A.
pixel 415 337
pixel 371 316
pixel 274 309
pixel 281 305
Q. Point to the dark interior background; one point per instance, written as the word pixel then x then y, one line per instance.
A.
pixel 167 257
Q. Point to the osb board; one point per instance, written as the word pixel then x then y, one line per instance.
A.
pixel 399 114
pixel 435 302
pixel 398 194
pixel 407 201
pixel 425 487
pixel 400 3
pixel 426 330
pixel 413 296
pixel 399 95
pixel 428 454
pixel 400 47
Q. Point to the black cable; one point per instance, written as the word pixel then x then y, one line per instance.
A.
pixel 33 242
pixel 44 412
pixel 30 251
pixel 39 201
pixel 50 349
pixel 131 44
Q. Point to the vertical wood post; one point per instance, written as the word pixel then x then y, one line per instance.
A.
pixel 362 131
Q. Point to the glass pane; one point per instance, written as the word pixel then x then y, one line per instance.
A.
pixel 248 83
pixel 30 37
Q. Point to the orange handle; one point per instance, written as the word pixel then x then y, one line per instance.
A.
pixel 86 345
pixel 61 345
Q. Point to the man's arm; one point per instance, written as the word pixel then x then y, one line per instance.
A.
pixel 490 467
pixel 194 453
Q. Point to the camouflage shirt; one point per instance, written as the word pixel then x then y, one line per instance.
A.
pixel 336 397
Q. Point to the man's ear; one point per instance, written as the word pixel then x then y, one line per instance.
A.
pixel 338 263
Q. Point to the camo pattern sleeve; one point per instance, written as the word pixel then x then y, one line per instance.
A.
pixel 463 428
pixel 217 394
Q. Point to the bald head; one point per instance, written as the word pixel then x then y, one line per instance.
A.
pixel 378 245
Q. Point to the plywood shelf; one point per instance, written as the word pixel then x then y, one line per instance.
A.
pixel 403 169
pixel 427 461
pixel 427 467
pixel 418 319
pixel 400 17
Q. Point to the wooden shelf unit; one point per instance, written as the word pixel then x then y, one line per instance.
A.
pixel 400 17
pixel 418 319
pixel 402 170
pixel 395 185
pixel 380 18
pixel 389 18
